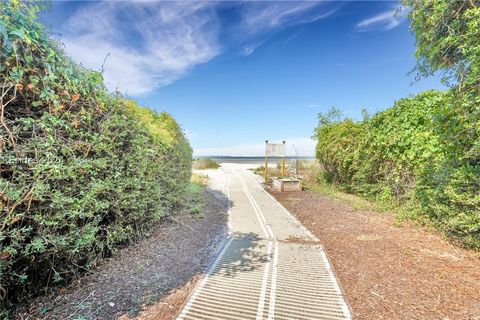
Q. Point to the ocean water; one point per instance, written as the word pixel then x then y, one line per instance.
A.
pixel 254 160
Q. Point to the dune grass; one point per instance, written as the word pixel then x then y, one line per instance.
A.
pixel 205 163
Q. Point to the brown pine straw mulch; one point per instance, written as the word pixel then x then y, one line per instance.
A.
pixel 387 270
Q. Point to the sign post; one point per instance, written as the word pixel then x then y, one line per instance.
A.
pixel 266 161
pixel 274 150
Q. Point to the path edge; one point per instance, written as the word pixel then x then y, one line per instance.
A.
pixel 219 252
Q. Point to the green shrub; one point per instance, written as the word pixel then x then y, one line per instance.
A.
pixel 410 154
pixel 448 42
pixel 338 149
pixel 400 154
pixel 426 148
pixel 82 171
pixel 383 154
pixel 449 194
pixel 398 143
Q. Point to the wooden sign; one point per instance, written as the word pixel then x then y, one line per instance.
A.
pixel 275 149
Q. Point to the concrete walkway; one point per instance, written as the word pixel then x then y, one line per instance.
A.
pixel 270 267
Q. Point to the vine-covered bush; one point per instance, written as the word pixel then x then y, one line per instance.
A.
pixel 448 42
pixel 382 155
pixel 398 143
pixel 404 154
pixel 338 147
pixel 81 171
pixel 425 148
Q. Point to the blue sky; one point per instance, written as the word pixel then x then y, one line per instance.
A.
pixel 236 73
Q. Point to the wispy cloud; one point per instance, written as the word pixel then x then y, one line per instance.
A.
pixel 150 45
pixel 291 38
pixel 262 16
pixel 311 106
pixel 384 21
pixel 295 146
pixel 250 48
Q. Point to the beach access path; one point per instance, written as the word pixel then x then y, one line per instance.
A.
pixel 269 267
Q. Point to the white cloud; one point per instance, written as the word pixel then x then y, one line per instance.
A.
pixel 150 44
pixel 250 48
pixel 304 146
pixel 311 106
pixel 262 16
pixel 384 21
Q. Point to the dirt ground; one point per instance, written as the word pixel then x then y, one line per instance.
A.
pixel 390 271
pixel 153 277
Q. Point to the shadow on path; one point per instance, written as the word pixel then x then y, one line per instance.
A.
pixel 245 253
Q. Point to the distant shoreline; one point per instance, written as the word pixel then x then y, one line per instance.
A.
pixel 251 160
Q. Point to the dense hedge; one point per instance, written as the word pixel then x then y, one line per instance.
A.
pixel 82 171
pixel 425 149
pixel 399 154
pixel 383 155
pixel 448 42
